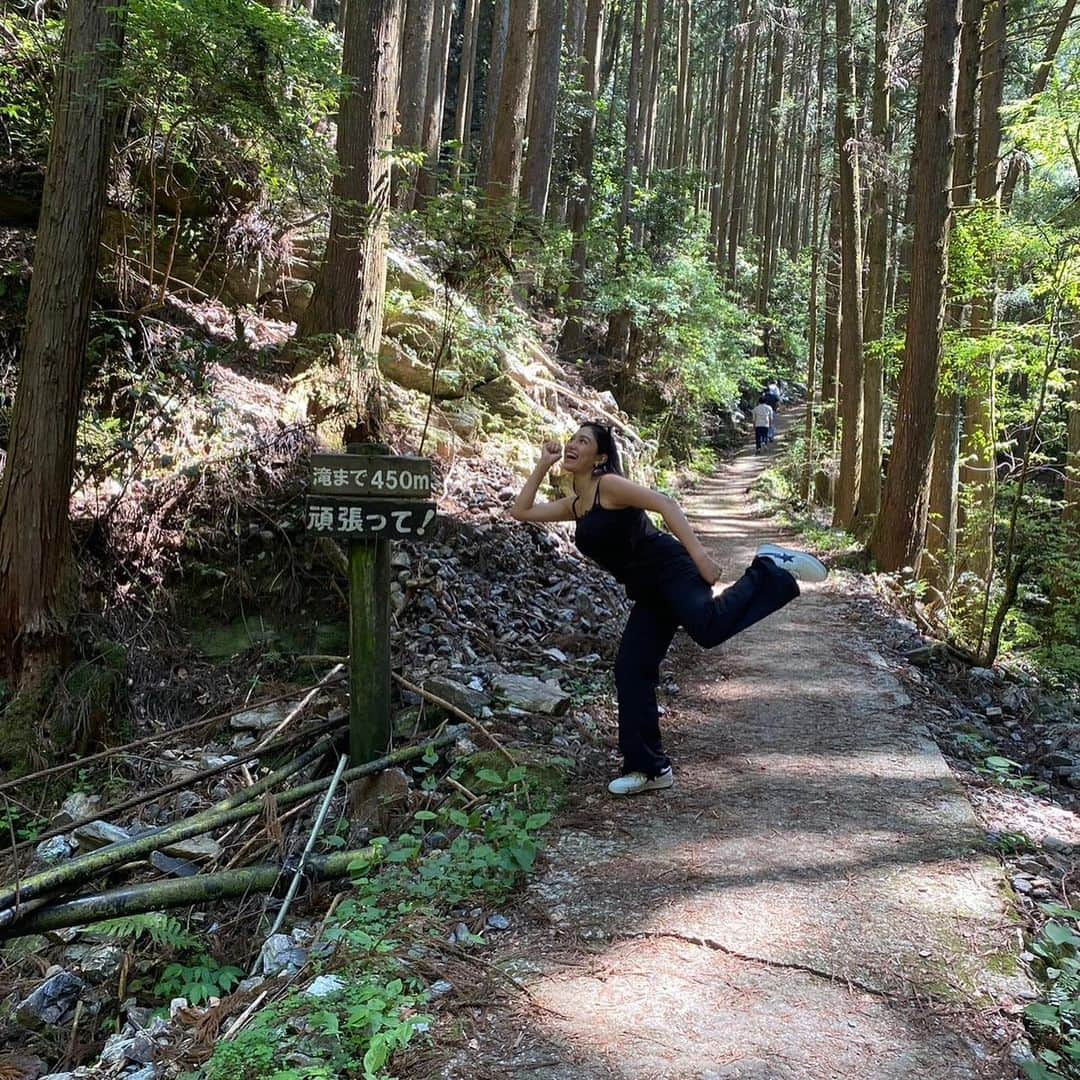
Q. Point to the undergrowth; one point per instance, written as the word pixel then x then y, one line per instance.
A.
pixel 391 929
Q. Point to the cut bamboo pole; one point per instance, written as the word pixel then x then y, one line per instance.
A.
pixel 179 892
pixel 86 867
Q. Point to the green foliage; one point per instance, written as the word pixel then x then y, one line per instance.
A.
pixel 400 896
pixel 26 77
pixel 1055 1021
pixel 163 930
pixel 198 981
pixel 1009 774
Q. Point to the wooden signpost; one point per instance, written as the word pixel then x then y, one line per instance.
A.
pixel 369 498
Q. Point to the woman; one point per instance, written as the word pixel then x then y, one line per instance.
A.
pixel 669 578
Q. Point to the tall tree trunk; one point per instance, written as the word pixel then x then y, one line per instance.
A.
pixel 650 82
pixel 542 111
pixel 938 565
pixel 977 471
pixel 500 33
pixel 580 190
pixel 1072 459
pixel 809 433
pixel 898 535
pixel 733 94
pixel 504 179
pixel 416 44
pixel 427 183
pixel 830 360
pixel 37 587
pixel 470 24
pixel 630 153
pixel 877 248
pixel 682 94
pixel 744 120
pixel 349 293
pixel 851 344
pixel 718 112
pixel 769 179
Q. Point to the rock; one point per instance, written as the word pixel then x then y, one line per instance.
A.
pixel 100 834
pixel 76 807
pixel 466 698
pixel 399 364
pixel 139 1048
pixel 52 1003
pixel 173 867
pixel 497 922
pixel 96 963
pixel 147 1072
pixel 439 989
pixel 982 674
pixel 533 695
pixel 324 986
pixel 195 847
pixel 372 796
pixel 281 955
pixel 216 761
pixel 503 397
pixel 55 849
pixel 263 718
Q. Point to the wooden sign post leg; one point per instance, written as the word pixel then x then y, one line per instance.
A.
pixel 369 643
pixel 369 650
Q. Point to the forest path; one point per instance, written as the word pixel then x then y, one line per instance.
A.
pixel 809 902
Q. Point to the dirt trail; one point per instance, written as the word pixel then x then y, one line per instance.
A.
pixel 810 901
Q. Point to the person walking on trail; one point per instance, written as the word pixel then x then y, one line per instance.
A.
pixel 771 397
pixel 669 576
pixel 763 422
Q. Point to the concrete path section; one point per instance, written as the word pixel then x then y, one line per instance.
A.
pixel 812 900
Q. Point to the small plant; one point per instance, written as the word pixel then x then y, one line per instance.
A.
pixel 1055 1022
pixel 1009 774
pixel 198 982
pixel 162 930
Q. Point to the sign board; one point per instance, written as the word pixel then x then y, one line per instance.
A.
pixel 369 519
pixel 381 475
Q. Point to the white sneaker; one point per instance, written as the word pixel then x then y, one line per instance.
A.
pixel 636 782
pixel 798 564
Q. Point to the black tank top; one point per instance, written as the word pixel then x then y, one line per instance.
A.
pixel 624 542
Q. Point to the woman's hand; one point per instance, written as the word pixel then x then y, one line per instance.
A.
pixel 708 568
pixel 551 453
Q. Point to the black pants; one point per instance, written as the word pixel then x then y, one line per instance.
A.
pixel 682 598
pixel 761 437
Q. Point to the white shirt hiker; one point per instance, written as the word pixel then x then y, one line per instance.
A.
pixel 763 415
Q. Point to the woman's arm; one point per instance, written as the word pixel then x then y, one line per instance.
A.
pixel 620 492
pixel 524 508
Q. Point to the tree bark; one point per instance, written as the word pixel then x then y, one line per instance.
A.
pixel 830 360
pixel 37 590
pixel 682 94
pixel 466 86
pixel 630 154
pixel 769 178
pixel 580 194
pixel 416 43
pixel 978 457
pixel 877 247
pixel 504 179
pixel 350 290
pixel 1072 459
pixel 542 109
pixel 427 183
pixel 938 565
pixel 744 119
pixel 851 343
pixel 901 526
pixel 500 33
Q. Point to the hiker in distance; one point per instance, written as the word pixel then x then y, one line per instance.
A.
pixel 669 576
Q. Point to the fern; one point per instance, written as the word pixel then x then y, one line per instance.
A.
pixel 163 930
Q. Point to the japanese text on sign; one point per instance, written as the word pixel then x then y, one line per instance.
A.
pixel 349 474
pixel 370 518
